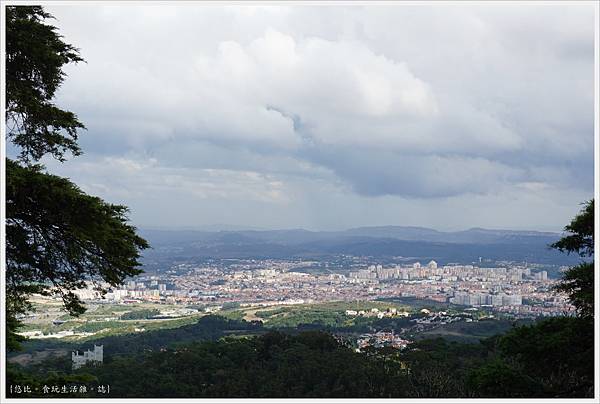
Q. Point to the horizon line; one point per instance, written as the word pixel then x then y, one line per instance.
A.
pixel 236 228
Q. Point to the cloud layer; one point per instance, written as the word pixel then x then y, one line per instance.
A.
pixel 295 110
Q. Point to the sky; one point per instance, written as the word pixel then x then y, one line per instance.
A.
pixel 332 117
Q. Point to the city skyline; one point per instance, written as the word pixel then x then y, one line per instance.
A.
pixel 328 118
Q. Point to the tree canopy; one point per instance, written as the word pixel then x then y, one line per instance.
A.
pixel 57 236
pixel 35 56
pixel 578 281
pixel 554 357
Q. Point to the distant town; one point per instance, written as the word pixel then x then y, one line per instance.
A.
pixel 521 290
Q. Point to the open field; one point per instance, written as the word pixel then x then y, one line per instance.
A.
pixel 326 314
pixel 105 323
pixel 49 320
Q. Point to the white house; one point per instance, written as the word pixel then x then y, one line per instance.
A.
pixel 95 357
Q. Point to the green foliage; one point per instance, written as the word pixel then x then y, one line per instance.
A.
pixel 206 328
pixel 140 314
pixel 274 365
pixel 326 316
pixel 308 316
pixel 56 235
pixel 552 358
pixel 497 379
pixel 14 340
pixel 438 368
pixel 309 364
pixel 35 55
pixel 471 332
pixel 231 305
pixel 15 375
pixel 271 313
pixel 97 326
pixel 578 281
pixel 581 237
pixel 558 351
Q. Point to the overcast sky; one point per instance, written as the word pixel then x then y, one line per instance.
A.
pixel 334 117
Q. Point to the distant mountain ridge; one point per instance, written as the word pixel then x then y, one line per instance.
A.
pixel 406 233
pixel 383 242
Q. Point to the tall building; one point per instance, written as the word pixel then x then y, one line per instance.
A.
pixel 496 300
pixel 512 300
pixel 460 298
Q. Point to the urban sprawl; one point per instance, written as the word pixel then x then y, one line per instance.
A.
pixel 516 289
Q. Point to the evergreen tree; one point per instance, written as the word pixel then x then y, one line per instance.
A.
pixel 35 55
pixel 57 237
pixel 554 357
pixel 578 281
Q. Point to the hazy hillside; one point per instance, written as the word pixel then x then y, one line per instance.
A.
pixel 389 241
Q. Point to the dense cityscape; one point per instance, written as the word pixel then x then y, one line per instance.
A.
pixel 518 289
